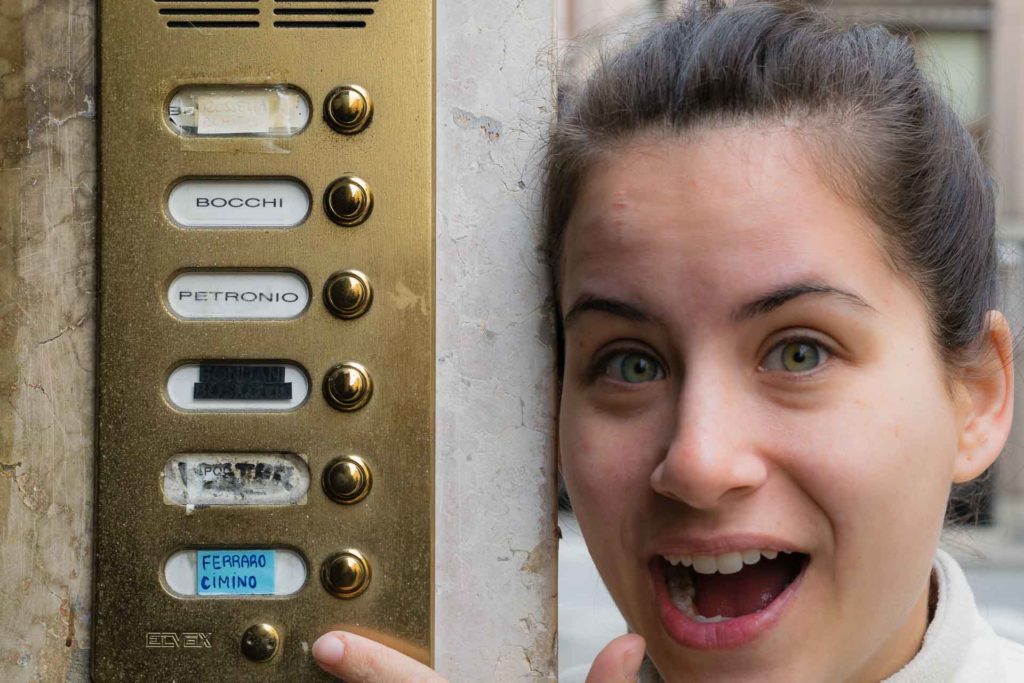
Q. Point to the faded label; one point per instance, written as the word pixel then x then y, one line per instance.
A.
pixel 238 110
pixel 201 479
pixel 235 572
pixel 223 114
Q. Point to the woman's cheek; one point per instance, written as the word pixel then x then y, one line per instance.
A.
pixel 871 463
pixel 601 456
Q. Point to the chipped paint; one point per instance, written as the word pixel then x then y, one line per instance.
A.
pixel 35 497
pixel 488 127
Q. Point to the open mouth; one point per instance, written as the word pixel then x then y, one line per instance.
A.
pixel 713 588
pixel 724 600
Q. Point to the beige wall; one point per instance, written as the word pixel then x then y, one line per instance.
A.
pixel 579 17
pixel 1007 150
pixel 1008 110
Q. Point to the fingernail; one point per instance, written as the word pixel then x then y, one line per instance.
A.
pixel 328 650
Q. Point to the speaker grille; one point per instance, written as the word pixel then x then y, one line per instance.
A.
pixel 322 13
pixel 292 14
pixel 202 13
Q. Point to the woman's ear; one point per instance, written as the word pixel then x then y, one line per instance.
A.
pixel 987 410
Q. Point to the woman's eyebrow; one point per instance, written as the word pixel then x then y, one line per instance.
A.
pixel 615 307
pixel 783 295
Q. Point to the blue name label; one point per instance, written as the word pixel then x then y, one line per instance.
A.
pixel 235 572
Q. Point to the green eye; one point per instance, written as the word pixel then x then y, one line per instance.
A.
pixel 796 356
pixel 633 367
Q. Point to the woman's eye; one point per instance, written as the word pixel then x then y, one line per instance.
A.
pixel 796 356
pixel 633 367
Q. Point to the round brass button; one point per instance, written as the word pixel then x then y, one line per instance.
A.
pixel 260 642
pixel 347 479
pixel 348 386
pixel 348 201
pixel 347 294
pixel 348 109
pixel 345 574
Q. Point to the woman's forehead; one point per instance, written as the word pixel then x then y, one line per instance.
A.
pixel 722 219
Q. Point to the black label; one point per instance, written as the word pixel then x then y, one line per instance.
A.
pixel 241 383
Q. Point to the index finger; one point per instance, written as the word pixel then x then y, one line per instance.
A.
pixel 355 659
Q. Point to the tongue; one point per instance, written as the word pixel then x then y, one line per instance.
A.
pixel 750 589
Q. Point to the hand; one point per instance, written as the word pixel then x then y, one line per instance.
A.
pixel 619 661
pixel 355 659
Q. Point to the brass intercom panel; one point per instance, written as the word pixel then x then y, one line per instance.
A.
pixel 266 371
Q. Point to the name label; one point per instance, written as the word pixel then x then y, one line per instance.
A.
pixel 244 111
pixel 238 295
pixel 238 203
pixel 247 382
pixel 232 572
pixel 235 572
pixel 235 387
pixel 201 479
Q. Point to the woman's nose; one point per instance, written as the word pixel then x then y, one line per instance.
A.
pixel 713 455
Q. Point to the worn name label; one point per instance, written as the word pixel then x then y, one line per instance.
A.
pixel 277 110
pixel 201 479
pixel 235 572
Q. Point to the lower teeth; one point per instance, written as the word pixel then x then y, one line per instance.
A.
pixel 682 592
pixel 711 620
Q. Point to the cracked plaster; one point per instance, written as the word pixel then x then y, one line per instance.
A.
pixel 496 548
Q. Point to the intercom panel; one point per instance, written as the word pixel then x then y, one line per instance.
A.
pixel 265 465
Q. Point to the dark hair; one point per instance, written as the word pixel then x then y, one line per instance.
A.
pixel 878 128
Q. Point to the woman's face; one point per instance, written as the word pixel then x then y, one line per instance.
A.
pixel 746 375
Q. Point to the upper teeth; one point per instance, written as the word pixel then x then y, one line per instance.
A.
pixel 726 563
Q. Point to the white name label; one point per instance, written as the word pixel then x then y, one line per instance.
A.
pixel 238 295
pixel 237 387
pixel 238 203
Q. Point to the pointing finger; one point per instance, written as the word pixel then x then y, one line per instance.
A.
pixel 355 659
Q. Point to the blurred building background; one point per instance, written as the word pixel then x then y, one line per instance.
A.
pixel 975 50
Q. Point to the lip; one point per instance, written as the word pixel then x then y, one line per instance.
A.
pixel 725 544
pixel 723 635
